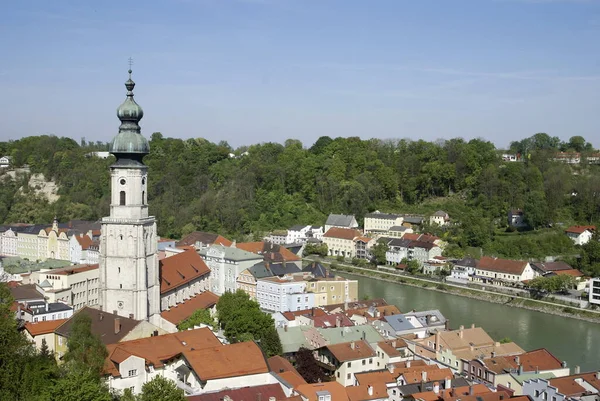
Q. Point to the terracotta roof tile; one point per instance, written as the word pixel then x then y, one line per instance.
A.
pixel 502 265
pixel 67 271
pixel 204 238
pixel 361 393
pixel 430 375
pixel 224 361
pixel 351 350
pixel 337 391
pixel 580 229
pixel 540 359
pixel 342 233
pixel 570 387
pixel 378 376
pixel 182 311
pixel 243 394
pixel 335 320
pixel 270 252
pixel 390 347
pixel 36 329
pixel 180 269
pixel 572 272
pixel 313 312
pixel 294 379
pixel 155 350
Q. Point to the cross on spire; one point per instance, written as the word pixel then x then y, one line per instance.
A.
pixel 130 60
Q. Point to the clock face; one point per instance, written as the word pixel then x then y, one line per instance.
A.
pixel 123 182
pixel 120 304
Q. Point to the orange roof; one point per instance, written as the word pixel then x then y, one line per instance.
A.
pixel 155 350
pixel 361 393
pixel 204 238
pixel 292 378
pixel 390 347
pixel 363 239
pixel 489 396
pixel 180 269
pixel 342 233
pixel 452 393
pixel 351 350
pixel 572 272
pixel 182 311
pixel 570 387
pixel 226 361
pixel 580 229
pixel 337 391
pixel 313 312
pixel 285 370
pixel 502 265
pixel 436 374
pixel 84 241
pixel 271 252
pixel 540 359
pixel 36 329
pixel 378 376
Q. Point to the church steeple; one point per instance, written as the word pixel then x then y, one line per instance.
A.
pixel 129 145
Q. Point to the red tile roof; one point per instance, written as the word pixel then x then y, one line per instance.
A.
pixel 342 233
pixel 155 350
pixel 271 252
pixel 36 329
pixel 570 387
pixel 572 272
pixel 580 229
pixel 84 241
pixel 67 271
pixel 502 265
pixel 352 350
pixel 284 369
pixel 263 392
pixel 335 320
pixel 337 391
pixel 226 361
pixel 180 269
pixel 182 311
pixel 540 359
pixel 361 393
pixel 311 313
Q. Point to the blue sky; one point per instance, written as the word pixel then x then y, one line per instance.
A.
pixel 249 71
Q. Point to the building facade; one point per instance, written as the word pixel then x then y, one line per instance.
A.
pixel 378 222
pixel 226 264
pixel 283 295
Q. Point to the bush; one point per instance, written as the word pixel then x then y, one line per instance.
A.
pixel 340 258
pixel 442 287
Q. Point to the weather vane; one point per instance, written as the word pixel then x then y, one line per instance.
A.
pixel 130 64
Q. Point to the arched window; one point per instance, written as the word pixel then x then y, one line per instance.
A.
pixel 143 197
pixel 122 198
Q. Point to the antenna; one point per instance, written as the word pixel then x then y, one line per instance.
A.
pixel 130 61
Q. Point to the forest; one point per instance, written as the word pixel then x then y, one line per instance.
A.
pixel 244 193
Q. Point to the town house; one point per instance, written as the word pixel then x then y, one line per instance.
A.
pixel 580 235
pixel 503 271
pixel 247 278
pixel 282 295
pixel 380 223
pixel 579 386
pixel 341 221
pixel 346 359
pixel 340 241
pixel 226 264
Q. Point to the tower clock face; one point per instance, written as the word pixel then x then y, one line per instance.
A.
pixel 120 304
pixel 122 181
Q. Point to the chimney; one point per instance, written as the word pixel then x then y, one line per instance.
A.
pixel 447 325
pixel 408 364
pixel 470 390
pixel 364 335
pixel 564 364
pixel 520 370
pixel 272 399
pixel 391 368
pixel 597 375
pixel 448 383
pixel 343 334
pixel 101 316
pixel 352 345
pixel 436 387
pixel 46 306
pixel 576 370
pixel 424 376
pixel 460 331
pixel 394 343
pixel 472 325
pixel 537 370
pixel 285 328
pixel 517 360
pixel 338 321
pixel 437 340
pixel 117 325
pixel 370 389
pixel 493 354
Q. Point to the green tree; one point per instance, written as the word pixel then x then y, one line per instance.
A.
pixel 85 351
pixel 80 386
pixel 378 251
pixel 160 388
pixel 200 316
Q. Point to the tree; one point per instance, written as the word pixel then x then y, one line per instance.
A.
pixel 85 351
pixel 200 316
pixel 160 388
pixel 315 249
pixel 80 386
pixel 378 251
pixel 307 366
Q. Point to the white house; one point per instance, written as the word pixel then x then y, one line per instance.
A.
pixel 283 295
pixel 594 289
pixel 5 161
pixel 182 276
pixel 579 386
pixel 297 234
pixel 516 218
pixel 226 264
pixel 340 221
pixel 83 249
pixel 45 311
pixel 440 218
pixel 503 271
pixel 340 241
pixel 378 222
pixel 344 360
pixel 580 235
pixel 8 243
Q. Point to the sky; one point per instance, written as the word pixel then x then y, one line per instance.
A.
pixel 250 71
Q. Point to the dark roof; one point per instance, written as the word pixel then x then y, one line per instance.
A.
pixel 466 262
pixel 317 270
pixel 413 219
pixel 39 308
pixel 378 215
pixel 421 244
pixel 24 292
pixel 263 392
pixel 297 227
pixel 551 266
pixel 398 228
pixel 204 238
pixel 340 220
pixel 399 242
pixel 259 270
pixel 103 325
pixel 281 269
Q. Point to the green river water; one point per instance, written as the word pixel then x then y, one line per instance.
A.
pixel 571 340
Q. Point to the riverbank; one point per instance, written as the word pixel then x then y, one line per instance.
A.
pixel 483 295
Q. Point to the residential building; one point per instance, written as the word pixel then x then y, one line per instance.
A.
pixel 507 157
pixel 26 293
pixel 8 242
pixel 399 231
pixel 340 221
pixel 282 295
pixel 77 285
pixel 340 241
pixel 463 271
pixel 83 249
pixel 544 268
pixel 201 240
pixel 579 386
pixel 439 218
pixel 264 392
pixel 182 276
pixel 567 157
pixel 420 324
pixel 226 265
pixel 277 237
pixel 53 243
pixel 413 220
pixel 332 290
pixel 316 233
pixel 516 218
pixel 392 351
pixel 421 249
pixel 363 247
pixel 378 222
pixel 175 315
pixel 40 332
pixel 580 235
pixel 317 270
pixel 44 311
pixel 297 234
pixel 5 161
pixel 345 359
pixel 330 391
pixel 503 271
pixel 594 291
pixel 271 253
pixel 247 279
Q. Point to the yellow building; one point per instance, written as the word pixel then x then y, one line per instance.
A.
pixel 333 290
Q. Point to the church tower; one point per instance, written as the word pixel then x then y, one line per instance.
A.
pixel 129 276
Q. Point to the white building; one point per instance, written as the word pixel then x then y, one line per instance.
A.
pixel 347 359
pixel 439 218
pixel 5 161
pixel 594 291
pixel 44 311
pixel 580 235
pixel 340 241
pixel 340 221
pixel 283 295
pixel 378 222
pixel 297 234
pixel 129 275
pixel 503 271
pixel 226 264
pixel 182 276
pixel 83 249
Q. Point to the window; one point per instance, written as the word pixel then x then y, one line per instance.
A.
pixel 122 182
pixel 349 364
pixel 133 372
pixel 143 197
pixel 537 393
pixel 545 396
pixel 364 362
pixel 122 198
pixel 348 376
pixel 338 374
pixel 370 361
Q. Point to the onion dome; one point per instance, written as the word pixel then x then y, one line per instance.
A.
pixel 129 142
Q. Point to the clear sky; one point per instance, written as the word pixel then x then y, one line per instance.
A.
pixel 249 71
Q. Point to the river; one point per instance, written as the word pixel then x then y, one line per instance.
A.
pixel 572 340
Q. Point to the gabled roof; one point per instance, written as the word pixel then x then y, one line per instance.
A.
pixel 580 229
pixel 379 215
pixel 225 361
pixel 285 370
pixel 204 238
pixel 421 237
pixel 157 349
pixel 232 253
pixel 440 213
pixel 539 359
pixel 282 269
pixel 412 219
pixel 311 313
pixel 180 269
pixel 67 271
pixel 341 220
pixel 570 385
pixel 342 233
pixel 39 328
pixel 335 320
pixel 551 266
pixel 466 262
pixel 84 241
pixel 103 325
pixel 502 265
pixel 311 391
pixel 390 347
pixel 260 270
pixel 298 227
pixel 24 292
pixel 271 252
pixel 317 270
pixel 264 393
pixel 184 310
pixel 361 392
pixel 430 375
pixel 350 351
